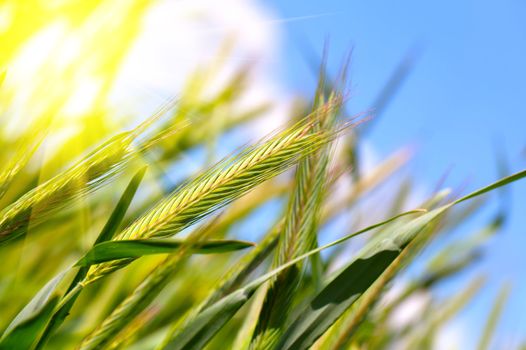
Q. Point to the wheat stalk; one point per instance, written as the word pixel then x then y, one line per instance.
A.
pixel 215 188
pixel 220 185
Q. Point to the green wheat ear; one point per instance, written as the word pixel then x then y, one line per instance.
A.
pixel 226 181
pixel 299 235
pixel 89 174
pixel 216 187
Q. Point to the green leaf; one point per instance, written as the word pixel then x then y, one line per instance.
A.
pixel 493 318
pixel 115 220
pixel 29 323
pixel 345 288
pixel 135 248
pixel 232 280
pixel 202 328
pixel 108 231
pixel 361 273
pixel 23 335
pixel 502 182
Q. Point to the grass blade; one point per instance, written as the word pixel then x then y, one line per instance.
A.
pixel 491 324
pixel 30 322
pixel 345 289
pixel 132 249
pixel 114 222
pixel 230 281
pixel 108 231
pixel 202 328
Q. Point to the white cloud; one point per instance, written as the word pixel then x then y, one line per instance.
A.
pixel 452 336
pixel 409 311
pixel 180 36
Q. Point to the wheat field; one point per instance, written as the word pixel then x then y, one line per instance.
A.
pixel 108 240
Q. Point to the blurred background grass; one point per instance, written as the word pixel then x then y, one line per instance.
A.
pixel 91 68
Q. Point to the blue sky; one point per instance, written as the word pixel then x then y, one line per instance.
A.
pixel 463 99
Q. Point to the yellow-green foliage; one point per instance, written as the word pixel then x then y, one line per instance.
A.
pixel 87 222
